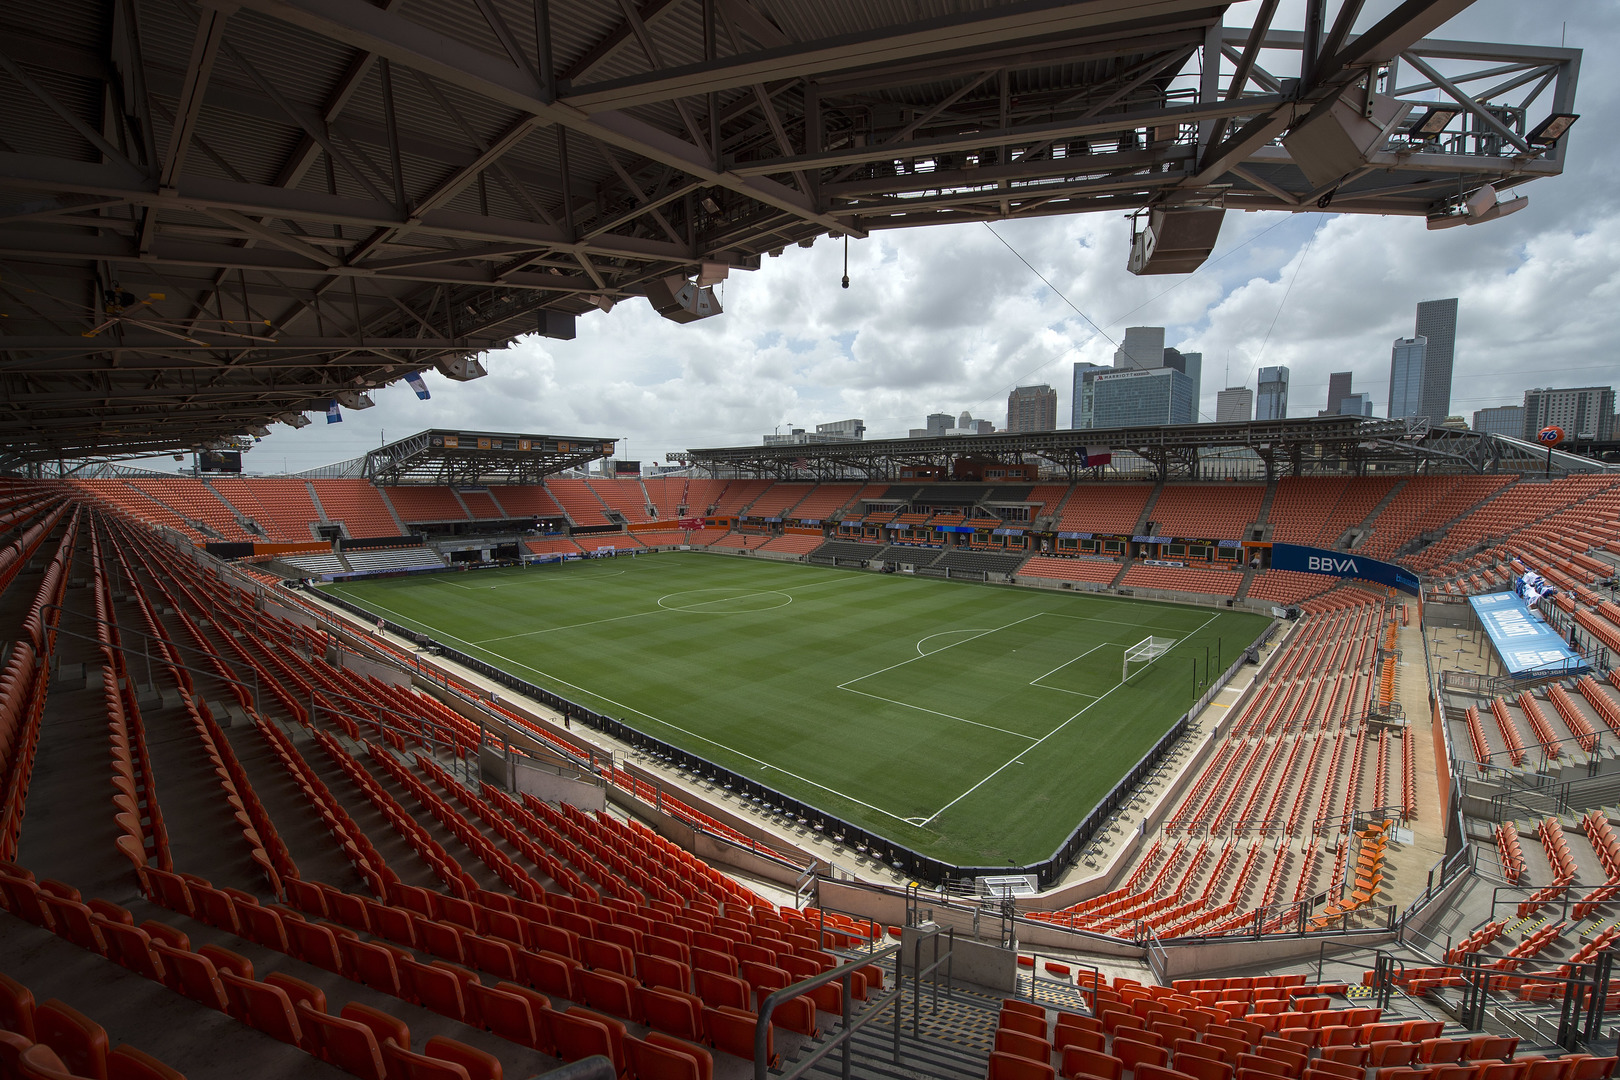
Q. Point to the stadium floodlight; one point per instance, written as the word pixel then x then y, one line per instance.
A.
pixel 353 399
pixel 1145 651
pixel 1434 121
pixel 293 419
pixel 1551 129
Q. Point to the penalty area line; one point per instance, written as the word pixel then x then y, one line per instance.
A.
pixel 1012 760
pixel 944 716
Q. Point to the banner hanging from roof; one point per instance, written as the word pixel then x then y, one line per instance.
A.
pixel 1095 456
pixel 1526 645
pixel 1345 564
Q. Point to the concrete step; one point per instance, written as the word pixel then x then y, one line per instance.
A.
pixel 296 820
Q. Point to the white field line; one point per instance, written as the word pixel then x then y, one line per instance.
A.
pixel 764 765
pixel 946 716
pixel 947 633
pixel 1010 761
pixel 1037 680
pixel 870 674
pixel 1110 622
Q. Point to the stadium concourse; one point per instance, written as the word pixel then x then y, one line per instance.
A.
pixel 240 825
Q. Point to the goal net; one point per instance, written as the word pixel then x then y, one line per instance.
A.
pixel 1145 651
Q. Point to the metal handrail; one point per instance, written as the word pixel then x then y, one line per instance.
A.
pixel 918 971
pixel 843 974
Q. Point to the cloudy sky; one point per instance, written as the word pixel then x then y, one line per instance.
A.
pixel 948 319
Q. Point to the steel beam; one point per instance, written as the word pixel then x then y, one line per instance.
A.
pixel 978 29
pixel 359 24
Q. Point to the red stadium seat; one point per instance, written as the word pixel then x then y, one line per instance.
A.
pixel 1004 1066
pixel 80 1042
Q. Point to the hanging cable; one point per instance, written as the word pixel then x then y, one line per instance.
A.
pixel 846 260
pixel 1049 285
pixel 1297 268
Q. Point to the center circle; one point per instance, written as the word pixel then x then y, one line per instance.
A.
pixel 723 601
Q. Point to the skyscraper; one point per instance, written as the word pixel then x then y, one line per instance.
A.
pixel 1585 412
pixel 1502 420
pixel 1338 390
pixel 1032 408
pixel 1080 402
pixel 1138 398
pixel 1407 360
pixel 1235 404
pixel 1355 405
pixel 1143 347
pixel 1272 402
pixel 1190 364
pixel 1437 322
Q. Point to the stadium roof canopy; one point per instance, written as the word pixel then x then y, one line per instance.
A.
pixel 1286 447
pixel 216 215
pixel 441 456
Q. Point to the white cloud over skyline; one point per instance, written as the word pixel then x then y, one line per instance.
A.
pixel 947 319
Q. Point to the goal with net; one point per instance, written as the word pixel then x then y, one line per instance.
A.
pixel 1145 651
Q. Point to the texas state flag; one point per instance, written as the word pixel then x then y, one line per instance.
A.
pixel 1095 456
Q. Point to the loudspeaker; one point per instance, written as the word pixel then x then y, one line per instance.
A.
pixel 556 324
pixel 461 368
pixel 1176 241
pixel 679 300
pixel 1333 144
pixel 353 399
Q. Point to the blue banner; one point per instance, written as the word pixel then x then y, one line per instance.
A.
pixel 1526 645
pixel 1345 564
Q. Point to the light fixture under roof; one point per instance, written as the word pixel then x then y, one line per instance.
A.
pixel 1434 121
pixel 1551 129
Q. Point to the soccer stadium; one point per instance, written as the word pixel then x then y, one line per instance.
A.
pixel 1011 755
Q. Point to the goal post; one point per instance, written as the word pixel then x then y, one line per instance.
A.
pixel 1145 651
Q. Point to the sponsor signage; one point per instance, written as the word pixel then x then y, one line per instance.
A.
pixel 1345 564
pixel 1526 645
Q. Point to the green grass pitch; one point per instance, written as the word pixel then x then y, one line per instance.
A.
pixel 976 724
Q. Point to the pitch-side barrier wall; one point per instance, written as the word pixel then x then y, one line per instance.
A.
pixel 879 847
